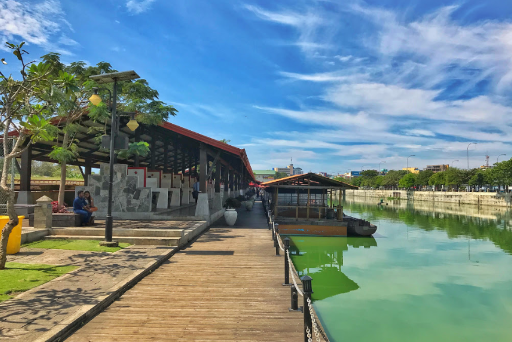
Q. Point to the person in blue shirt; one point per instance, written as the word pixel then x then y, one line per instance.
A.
pixel 195 191
pixel 78 207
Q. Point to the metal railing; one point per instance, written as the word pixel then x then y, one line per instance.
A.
pixel 312 325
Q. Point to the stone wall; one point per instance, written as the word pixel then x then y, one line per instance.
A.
pixel 473 198
pixel 127 197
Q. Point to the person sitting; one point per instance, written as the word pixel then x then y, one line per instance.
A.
pixel 89 202
pixel 79 206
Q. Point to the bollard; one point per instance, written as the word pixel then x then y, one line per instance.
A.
pixel 294 300
pixel 277 238
pixel 307 291
pixel 286 242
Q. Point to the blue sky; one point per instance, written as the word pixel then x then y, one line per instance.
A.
pixel 335 85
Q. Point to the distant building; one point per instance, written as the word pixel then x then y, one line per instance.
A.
pixel 289 170
pixel 352 174
pixel 264 175
pixel 282 170
pixel 412 169
pixel 437 168
pixel 323 174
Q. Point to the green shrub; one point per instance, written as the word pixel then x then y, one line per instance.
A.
pixel 232 203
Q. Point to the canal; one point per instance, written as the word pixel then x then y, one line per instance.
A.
pixel 431 273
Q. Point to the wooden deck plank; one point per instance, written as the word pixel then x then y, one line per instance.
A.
pixel 200 295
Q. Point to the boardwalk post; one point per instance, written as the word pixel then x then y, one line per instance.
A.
pixel 276 242
pixel 286 265
pixel 294 299
pixel 273 231
pixel 306 288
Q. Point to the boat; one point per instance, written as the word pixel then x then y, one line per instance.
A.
pixel 304 205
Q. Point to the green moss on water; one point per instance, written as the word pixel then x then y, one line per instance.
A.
pixel 75 245
pixel 16 277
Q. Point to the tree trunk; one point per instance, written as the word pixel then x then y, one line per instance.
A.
pixel 62 184
pixel 13 222
pixel 6 191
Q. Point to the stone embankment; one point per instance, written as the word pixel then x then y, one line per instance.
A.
pixel 473 198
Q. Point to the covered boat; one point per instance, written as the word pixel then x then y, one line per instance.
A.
pixel 310 204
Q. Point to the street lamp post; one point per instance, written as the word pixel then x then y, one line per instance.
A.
pixel 102 79
pixel 412 155
pixel 362 168
pixel 454 161
pixel 467 152
pixel 497 159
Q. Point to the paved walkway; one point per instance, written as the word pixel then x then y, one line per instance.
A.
pixel 226 287
pixel 34 313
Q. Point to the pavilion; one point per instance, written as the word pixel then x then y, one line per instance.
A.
pixel 173 150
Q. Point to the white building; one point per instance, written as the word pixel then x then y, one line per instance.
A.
pixel 289 170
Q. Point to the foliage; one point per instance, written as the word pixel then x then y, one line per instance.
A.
pixel 478 179
pixel 423 177
pixel 17 277
pixel 225 141
pixel 407 181
pixel 140 148
pixel 392 178
pixel 453 177
pixel 437 179
pixel 57 209
pixel 26 106
pixel 232 203
pixel 280 175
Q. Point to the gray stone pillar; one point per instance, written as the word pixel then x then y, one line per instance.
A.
pixel 43 213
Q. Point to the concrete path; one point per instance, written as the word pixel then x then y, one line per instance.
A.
pixel 43 311
pixel 226 287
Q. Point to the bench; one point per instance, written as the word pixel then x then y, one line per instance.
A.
pixel 66 220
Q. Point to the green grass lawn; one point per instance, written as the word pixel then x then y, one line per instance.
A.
pixel 75 245
pixel 16 278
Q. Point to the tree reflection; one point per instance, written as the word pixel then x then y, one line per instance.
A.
pixel 472 222
pixel 322 259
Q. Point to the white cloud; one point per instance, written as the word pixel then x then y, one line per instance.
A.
pixel 420 132
pixel 30 22
pixel 439 42
pixel 65 40
pixel 138 6
pixel 343 58
pixel 311 26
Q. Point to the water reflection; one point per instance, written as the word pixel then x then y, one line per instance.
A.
pixel 479 223
pixel 322 259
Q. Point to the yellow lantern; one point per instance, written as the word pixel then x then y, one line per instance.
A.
pixel 95 99
pixel 132 124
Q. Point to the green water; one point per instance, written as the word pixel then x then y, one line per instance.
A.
pixel 430 274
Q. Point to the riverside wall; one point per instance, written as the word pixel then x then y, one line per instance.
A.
pixel 472 198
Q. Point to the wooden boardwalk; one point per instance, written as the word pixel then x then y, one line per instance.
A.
pixel 226 287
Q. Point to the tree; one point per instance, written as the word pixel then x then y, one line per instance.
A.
pixel 281 175
pixel 454 177
pixel 377 181
pixel 225 141
pixel 478 179
pixel 356 181
pixel 423 177
pixel 437 179
pixel 73 105
pixel 392 178
pixel 407 181
pixel 25 109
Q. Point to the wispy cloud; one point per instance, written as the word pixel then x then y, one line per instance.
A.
pixel 138 6
pixel 308 23
pixel 38 24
